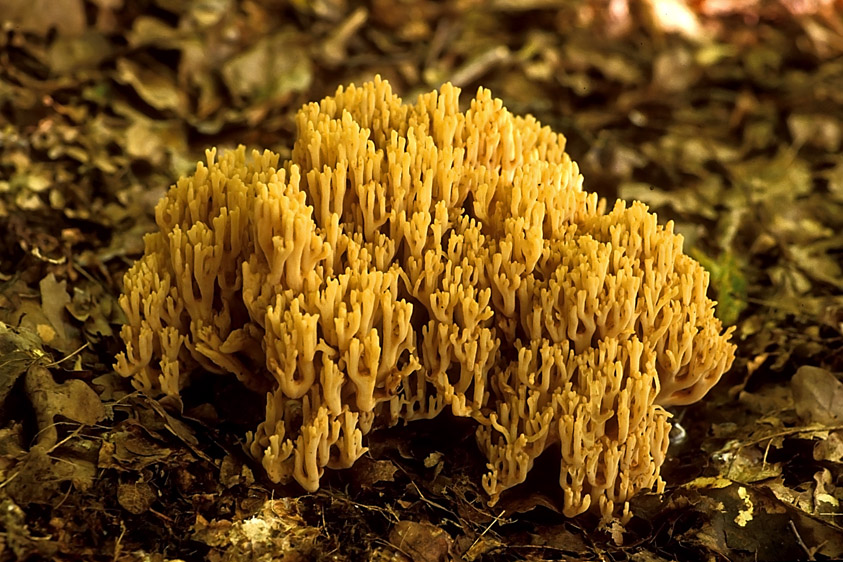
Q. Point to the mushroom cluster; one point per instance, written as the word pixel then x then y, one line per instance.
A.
pixel 415 258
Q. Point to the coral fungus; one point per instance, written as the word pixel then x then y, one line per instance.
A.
pixel 415 258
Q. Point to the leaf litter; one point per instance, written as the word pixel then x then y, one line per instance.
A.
pixel 723 116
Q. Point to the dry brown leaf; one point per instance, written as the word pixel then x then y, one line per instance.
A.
pixel 818 396
pixel 830 449
pixel 54 300
pixel 423 542
pixel 73 400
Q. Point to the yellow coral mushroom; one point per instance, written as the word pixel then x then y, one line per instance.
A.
pixel 412 258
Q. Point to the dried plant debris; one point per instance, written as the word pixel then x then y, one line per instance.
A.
pixel 724 117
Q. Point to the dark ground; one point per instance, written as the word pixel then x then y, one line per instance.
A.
pixel 724 115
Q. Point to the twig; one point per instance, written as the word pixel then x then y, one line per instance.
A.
pixel 496 519
pixel 118 543
pixel 66 357
pixel 785 433
pixel 800 541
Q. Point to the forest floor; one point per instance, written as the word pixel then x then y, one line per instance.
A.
pixel 725 116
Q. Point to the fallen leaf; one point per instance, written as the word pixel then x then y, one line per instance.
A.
pixel 818 396
pixel 825 502
pixel 73 400
pixel 260 74
pixel 153 82
pixel 830 449
pixel 423 542
pixel 18 350
pixel 67 17
pixel 135 498
pixel 54 299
